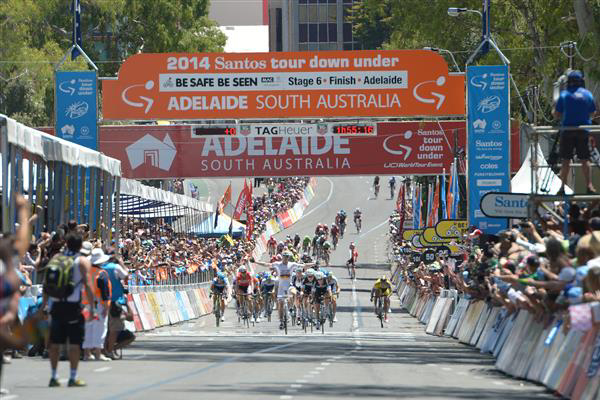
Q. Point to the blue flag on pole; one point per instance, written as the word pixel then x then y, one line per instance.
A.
pixel 76 9
pixel 443 195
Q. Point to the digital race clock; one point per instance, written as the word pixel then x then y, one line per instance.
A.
pixel 354 129
pixel 213 131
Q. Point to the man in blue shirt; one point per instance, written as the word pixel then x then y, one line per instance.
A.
pixel 575 107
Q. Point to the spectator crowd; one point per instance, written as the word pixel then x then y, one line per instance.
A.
pixel 148 252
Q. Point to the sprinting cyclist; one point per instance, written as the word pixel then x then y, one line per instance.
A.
pixel 353 257
pixel 296 240
pixel 283 270
pixel 307 287
pixel 244 287
pixel 322 292
pixel 220 285
pixel 267 289
pixel 256 296
pixel 376 185
pixel 340 220
pixel 306 244
pixel 383 288
pixel 392 183
pixel 335 291
pixel 296 288
pixel 326 252
pixel 272 246
pixel 325 231
pixel 335 232
pixel 357 219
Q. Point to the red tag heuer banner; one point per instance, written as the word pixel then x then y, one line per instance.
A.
pixel 399 148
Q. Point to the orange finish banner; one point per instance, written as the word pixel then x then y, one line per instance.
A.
pixel 370 83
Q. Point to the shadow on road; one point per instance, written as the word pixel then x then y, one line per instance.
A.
pixel 316 390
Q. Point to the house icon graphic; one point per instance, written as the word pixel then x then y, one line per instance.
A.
pixel 152 151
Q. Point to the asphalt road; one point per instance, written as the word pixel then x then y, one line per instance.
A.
pixel 354 359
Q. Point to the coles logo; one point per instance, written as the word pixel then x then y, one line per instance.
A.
pixel 391 145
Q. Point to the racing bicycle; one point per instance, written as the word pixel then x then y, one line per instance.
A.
pixel 218 297
pixel 379 309
pixel 358 223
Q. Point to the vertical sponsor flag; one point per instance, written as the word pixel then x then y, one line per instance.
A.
pixel 76 9
pixel 436 203
pixel 449 195
pixel 400 195
pixel 217 212
pixel 250 215
pixel 455 192
pixel 429 204
pixel 420 205
pixel 414 205
pixel 402 206
pixel 242 202
pixel 443 194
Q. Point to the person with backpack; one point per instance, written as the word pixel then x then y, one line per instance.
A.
pixel 95 330
pixel 66 274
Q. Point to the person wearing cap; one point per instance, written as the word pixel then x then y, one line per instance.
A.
pixel 575 106
pixel 95 329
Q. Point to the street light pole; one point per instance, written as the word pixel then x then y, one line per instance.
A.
pixel 438 50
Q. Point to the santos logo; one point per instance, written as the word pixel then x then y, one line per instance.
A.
pixel 401 150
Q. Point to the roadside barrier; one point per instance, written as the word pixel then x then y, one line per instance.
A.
pixel 566 362
pixel 157 306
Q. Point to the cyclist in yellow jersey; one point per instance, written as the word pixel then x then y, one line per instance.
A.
pixel 383 288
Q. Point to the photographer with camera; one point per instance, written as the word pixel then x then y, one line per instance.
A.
pixel 574 107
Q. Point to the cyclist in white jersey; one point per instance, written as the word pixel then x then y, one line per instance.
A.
pixel 284 270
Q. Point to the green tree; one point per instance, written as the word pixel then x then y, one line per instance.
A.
pixel 528 31
pixel 36 35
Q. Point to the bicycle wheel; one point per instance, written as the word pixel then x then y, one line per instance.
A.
pixel 217 308
pixel 330 316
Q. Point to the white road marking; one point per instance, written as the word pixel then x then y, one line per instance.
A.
pixel 325 363
pixel 291 391
pixel 10 397
pixel 320 368
pixel 285 397
pixel 463 373
pixel 314 372
pixel 446 369
pixel 301 381
pixel 103 369
pixel 373 228
pixel 432 365
pixel 296 385
pixel 498 383
pixel 324 202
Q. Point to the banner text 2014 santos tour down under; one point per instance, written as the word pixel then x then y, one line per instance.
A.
pixel 324 84
pixel 268 150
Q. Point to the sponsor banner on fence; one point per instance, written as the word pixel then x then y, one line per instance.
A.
pixel 378 83
pixel 505 205
pixel 488 125
pixel 449 228
pixel 400 148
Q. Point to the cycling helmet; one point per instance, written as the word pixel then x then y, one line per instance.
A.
pixel 310 272
pixel 325 271
pixel 267 277
pixel 221 276
pixel 325 226
pixel 352 245
pixel 242 269
pixel 287 253
pixel 320 275
pixel 357 209
pixel 384 278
